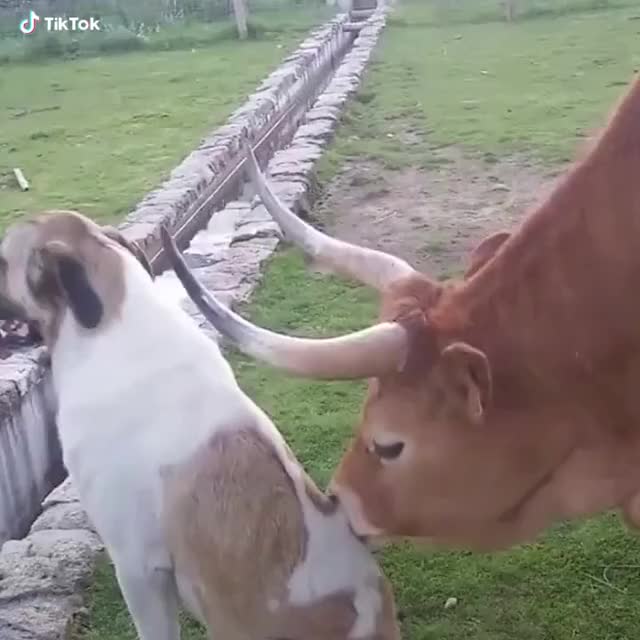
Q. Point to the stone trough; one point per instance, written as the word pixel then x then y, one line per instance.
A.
pixel 49 547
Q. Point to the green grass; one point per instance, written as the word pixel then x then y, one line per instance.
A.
pixel 441 12
pixel 96 134
pixel 108 618
pixel 536 86
pixel 548 82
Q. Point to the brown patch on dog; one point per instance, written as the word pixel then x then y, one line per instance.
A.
pixel 235 527
pixel 333 617
pixel 330 618
pixel 236 531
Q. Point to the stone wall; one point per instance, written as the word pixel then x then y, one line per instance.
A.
pixel 43 576
pixel 189 184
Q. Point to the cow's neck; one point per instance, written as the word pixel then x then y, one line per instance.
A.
pixel 562 290
pixel 558 315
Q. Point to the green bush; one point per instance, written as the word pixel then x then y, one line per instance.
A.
pixel 47 45
pixel 153 25
pixel 120 39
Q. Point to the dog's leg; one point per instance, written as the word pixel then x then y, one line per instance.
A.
pixel 152 599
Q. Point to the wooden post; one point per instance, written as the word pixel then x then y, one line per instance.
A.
pixel 509 10
pixel 240 13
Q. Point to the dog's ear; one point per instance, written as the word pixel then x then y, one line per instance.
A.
pixel 132 247
pixel 59 264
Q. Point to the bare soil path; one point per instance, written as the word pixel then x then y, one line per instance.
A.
pixel 434 217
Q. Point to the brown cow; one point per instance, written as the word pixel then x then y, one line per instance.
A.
pixel 502 402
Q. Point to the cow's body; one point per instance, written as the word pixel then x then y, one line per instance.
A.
pixel 503 402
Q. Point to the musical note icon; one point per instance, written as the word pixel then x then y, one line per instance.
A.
pixel 28 25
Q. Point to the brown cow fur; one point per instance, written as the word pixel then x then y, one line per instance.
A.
pixel 485 251
pixel 554 321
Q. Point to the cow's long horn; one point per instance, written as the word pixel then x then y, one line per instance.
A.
pixel 374 268
pixel 371 352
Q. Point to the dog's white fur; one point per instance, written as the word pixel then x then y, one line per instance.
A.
pixel 142 395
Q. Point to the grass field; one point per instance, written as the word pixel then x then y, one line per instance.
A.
pixel 537 88
pixel 97 133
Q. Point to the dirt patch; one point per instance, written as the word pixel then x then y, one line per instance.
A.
pixel 432 217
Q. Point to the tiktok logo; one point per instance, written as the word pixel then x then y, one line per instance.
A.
pixel 28 25
pixel 59 23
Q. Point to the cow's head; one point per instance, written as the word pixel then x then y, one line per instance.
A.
pixel 59 261
pixel 428 459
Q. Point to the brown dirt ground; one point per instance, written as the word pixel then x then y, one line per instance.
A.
pixel 432 218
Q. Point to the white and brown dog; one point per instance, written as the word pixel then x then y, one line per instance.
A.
pixel 190 485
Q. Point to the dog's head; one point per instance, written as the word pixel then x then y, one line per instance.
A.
pixel 61 261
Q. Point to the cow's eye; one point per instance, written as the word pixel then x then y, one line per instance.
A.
pixel 388 451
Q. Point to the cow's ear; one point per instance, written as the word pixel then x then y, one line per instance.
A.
pixel 485 251
pixel 467 376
